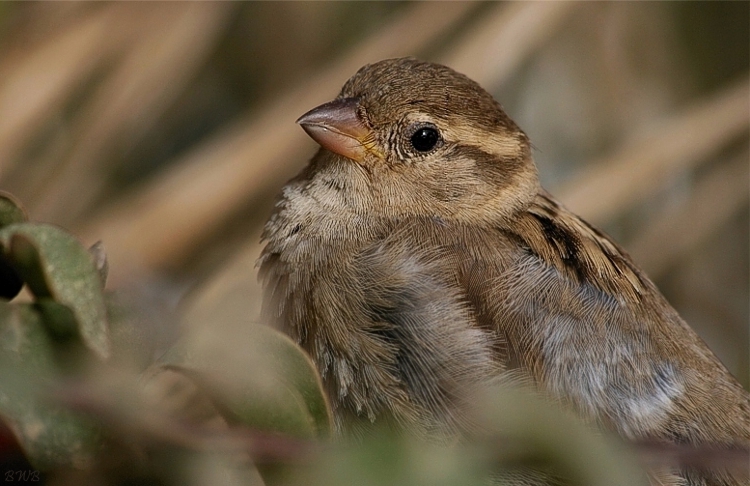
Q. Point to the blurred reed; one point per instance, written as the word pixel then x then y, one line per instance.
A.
pixel 166 129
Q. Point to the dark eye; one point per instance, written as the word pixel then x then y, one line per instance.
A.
pixel 425 139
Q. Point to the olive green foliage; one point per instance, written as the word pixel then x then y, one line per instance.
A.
pixel 68 331
pixel 280 393
pixel 68 306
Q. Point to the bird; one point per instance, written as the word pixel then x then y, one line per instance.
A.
pixel 417 256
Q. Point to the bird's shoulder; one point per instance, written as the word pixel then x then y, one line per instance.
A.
pixel 577 250
pixel 303 232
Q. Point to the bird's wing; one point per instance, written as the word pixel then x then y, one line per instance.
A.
pixel 592 330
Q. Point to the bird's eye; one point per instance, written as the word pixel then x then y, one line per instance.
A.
pixel 425 138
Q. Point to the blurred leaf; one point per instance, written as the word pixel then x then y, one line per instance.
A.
pixel 263 380
pixel 69 354
pixel 54 264
pixel 523 427
pixel 520 439
pixel 51 436
pixel 393 459
pixel 11 210
pixel 57 318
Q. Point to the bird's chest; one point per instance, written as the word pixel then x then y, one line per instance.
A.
pixel 387 325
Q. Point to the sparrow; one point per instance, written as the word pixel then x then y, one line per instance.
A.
pixel 416 256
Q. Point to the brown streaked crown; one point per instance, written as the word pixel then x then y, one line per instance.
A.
pixel 398 86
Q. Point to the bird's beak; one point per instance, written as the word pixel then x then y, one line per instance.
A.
pixel 336 126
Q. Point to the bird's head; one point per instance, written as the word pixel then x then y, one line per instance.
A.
pixel 428 140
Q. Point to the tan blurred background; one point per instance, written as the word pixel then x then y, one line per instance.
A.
pixel 166 129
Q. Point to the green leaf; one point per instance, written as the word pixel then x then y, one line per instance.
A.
pixel 50 435
pixel 388 457
pixel 260 378
pixel 532 430
pixel 11 210
pixel 58 319
pixel 518 438
pixel 54 264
